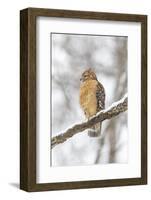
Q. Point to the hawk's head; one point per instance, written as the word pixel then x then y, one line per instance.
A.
pixel 88 75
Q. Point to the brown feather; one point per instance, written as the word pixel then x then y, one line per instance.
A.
pixel 92 99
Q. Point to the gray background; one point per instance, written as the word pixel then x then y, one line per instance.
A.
pixel 71 55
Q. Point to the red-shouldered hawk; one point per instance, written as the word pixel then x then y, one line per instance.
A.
pixel 92 98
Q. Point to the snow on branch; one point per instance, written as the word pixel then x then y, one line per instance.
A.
pixel 115 109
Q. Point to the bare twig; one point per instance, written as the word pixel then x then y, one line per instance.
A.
pixel 114 110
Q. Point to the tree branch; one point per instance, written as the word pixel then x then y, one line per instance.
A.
pixel 115 109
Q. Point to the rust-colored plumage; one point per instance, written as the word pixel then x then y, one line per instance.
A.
pixel 92 98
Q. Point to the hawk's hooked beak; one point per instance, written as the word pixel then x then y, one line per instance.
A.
pixel 81 79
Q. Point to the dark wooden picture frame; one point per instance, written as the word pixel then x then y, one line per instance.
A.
pixel 28 98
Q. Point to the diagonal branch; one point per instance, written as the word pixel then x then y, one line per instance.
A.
pixel 114 110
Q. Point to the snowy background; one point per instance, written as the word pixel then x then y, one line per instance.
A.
pixel 71 54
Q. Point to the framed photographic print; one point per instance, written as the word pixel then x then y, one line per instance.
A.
pixel 83 99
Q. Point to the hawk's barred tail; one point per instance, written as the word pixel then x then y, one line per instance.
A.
pixel 95 131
